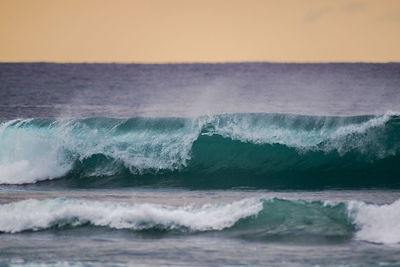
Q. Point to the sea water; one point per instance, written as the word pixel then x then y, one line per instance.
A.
pixel 200 164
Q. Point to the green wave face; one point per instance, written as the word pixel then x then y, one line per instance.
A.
pixel 287 220
pixel 278 151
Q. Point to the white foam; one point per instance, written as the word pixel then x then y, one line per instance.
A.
pixel 376 223
pixel 24 171
pixel 35 215
pixel 29 154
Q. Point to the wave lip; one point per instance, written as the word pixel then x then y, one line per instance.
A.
pixel 265 146
pixel 251 218
pixel 299 131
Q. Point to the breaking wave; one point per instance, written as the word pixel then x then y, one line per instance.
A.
pixel 220 151
pixel 250 219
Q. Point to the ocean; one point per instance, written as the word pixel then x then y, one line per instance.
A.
pixel 261 164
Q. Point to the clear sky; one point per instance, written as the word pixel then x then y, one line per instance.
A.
pixel 199 30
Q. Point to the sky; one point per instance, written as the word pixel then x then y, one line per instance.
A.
pixel 169 31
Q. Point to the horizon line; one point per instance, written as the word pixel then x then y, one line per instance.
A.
pixel 199 62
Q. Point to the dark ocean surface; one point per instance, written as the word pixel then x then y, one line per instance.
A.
pixel 200 164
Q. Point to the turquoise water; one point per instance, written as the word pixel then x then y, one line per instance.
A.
pixel 199 164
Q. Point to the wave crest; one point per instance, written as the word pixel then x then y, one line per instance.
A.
pixel 40 149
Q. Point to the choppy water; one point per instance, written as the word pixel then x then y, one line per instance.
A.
pixel 200 164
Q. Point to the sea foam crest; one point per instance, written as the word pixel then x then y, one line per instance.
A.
pixel 291 130
pixel 376 223
pixel 35 215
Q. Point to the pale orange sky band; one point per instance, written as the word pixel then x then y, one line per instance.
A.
pixel 160 31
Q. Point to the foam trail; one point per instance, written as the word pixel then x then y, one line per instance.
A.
pixel 36 215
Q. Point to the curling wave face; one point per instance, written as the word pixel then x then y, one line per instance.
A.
pixel 220 151
pixel 251 219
